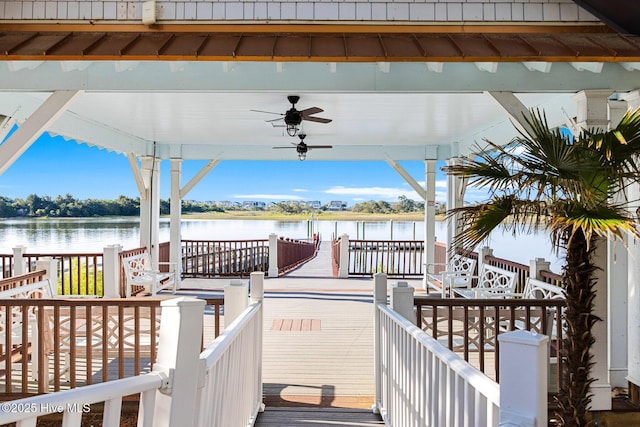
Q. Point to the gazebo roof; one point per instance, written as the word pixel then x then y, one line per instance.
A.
pixel 392 92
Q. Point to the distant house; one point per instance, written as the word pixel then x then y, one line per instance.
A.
pixel 228 204
pixel 250 204
pixel 315 204
pixel 337 205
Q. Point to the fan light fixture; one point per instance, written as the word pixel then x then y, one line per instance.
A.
pixel 292 129
pixel 302 156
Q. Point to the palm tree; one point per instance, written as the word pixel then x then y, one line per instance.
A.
pixel 550 180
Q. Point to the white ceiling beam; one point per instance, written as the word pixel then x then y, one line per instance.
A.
pixel 32 128
pixel 137 175
pixel 489 67
pixel 333 67
pixel 514 108
pixel 541 66
pixel 408 178
pixel 435 67
pixel 280 67
pixel 593 67
pixel 198 177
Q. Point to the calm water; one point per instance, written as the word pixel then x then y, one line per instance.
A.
pixel 91 235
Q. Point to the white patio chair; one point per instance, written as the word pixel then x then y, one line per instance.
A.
pixel 458 274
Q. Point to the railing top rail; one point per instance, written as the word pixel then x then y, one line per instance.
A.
pixel 224 240
pixel 82 302
pixel 46 403
pixel 27 276
pixel 55 254
pixel 220 345
pixel 491 258
pixel 489 388
pixel 489 302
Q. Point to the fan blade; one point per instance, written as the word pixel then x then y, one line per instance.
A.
pixel 293 145
pixel 309 111
pixel 274 120
pixel 319 146
pixel 266 112
pixel 317 119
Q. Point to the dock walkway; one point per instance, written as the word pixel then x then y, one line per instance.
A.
pixel 318 347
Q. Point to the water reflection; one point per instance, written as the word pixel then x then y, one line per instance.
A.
pixel 92 235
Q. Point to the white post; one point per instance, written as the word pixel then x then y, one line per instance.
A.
pixel 390 229
pixel 111 271
pixel 50 264
pixel 402 300
pixel 601 387
pixel 343 270
pixel 484 252
pixel 19 263
pixel 257 286
pixel 523 392
pixel 429 216
pixel 379 297
pixel 236 300
pixel 150 205
pixel 175 232
pixel 179 359
pixel 536 266
pixel 273 255
pixel 618 266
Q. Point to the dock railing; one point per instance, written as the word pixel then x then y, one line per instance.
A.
pixel 420 382
pixel 220 386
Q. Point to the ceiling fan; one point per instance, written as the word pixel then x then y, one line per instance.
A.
pixel 302 147
pixel 293 117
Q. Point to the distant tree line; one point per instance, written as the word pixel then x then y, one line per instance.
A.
pixel 403 205
pixel 68 206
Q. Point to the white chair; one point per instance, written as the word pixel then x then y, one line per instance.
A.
pixel 139 271
pixel 493 282
pixel 458 274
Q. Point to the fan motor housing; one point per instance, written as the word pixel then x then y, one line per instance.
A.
pixel 293 117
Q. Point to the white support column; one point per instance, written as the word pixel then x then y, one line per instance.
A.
pixel 19 263
pixel 236 300
pixel 633 291
pixel 343 270
pixel 150 206
pixel 523 392
pixel 56 104
pixel 175 231
pixel 516 110
pixel 593 112
pixel 379 297
pixel 273 255
pixel 618 265
pixel 429 218
pixel 402 300
pixel 179 359
pixel 456 187
pixel 111 271
pixel 50 264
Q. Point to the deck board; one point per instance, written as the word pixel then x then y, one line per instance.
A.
pixel 325 417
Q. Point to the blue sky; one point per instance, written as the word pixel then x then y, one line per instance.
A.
pixel 53 166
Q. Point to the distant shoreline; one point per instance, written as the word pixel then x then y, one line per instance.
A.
pixel 319 216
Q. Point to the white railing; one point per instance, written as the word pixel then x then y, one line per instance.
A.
pixel 221 386
pixel 425 384
pixel 232 393
pixel 73 403
pixel 421 383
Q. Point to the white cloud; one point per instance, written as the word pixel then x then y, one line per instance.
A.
pixel 299 190
pixel 267 197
